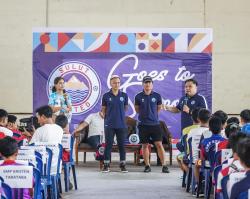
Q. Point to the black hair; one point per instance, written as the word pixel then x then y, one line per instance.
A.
pixel 62 121
pixel 45 110
pixel 56 80
pixel 204 115
pixel 215 124
pixel 234 139
pixel 245 115
pixel 3 113
pixel 243 151
pixel 8 146
pixel 192 80
pixel 231 128
pixel 222 115
pixel 12 118
pixel 195 113
pixel 233 120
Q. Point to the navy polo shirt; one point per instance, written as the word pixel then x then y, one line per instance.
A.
pixel 196 101
pixel 115 109
pixel 148 114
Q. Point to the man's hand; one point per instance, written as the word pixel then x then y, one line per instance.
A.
pixel 186 109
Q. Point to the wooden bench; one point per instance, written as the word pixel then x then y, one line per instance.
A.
pixel 84 147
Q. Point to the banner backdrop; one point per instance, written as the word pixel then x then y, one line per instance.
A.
pixel 87 58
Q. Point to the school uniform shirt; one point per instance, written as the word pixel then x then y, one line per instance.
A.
pixel 115 109
pixel 207 143
pixel 148 105
pixel 235 166
pixel 48 133
pixel 195 134
pixel 6 131
pixel 196 101
pixel 246 128
pixel 241 186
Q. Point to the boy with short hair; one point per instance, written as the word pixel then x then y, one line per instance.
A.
pixel 244 155
pixel 9 150
pixel 3 123
pixel 245 121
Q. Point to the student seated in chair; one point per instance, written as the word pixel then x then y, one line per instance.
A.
pixel 244 155
pixel 8 151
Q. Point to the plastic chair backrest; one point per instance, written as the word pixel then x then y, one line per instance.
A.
pixel 37 187
pixel 7 191
pixel 71 148
pixel 224 182
pixel 59 158
pixel 48 164
pixel 190 149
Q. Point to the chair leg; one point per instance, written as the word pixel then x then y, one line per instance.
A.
pixel 84 157
pixel 74 176
pixel 170 156
pixel 199 186
pixel 66 177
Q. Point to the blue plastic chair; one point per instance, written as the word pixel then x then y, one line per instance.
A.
pixel 37 187
pixel 70 165
pixel 190 179
pixel 215 174
pixel 224 182
pixel 7 191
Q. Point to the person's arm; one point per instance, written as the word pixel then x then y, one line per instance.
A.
pixel 68 102
pixel 172 109
pixel 137 103
pixel 103 111
pixel 81 126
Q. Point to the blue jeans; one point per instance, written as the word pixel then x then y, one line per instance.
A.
pixel 94 141
pixel 121 134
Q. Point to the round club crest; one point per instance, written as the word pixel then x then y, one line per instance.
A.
pixel 81 83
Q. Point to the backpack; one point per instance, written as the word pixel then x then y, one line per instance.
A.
pixel 99 154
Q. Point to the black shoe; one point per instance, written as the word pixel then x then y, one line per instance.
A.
pixel 147 169
pixel 105 168
pixel 123 168
pixel 165 169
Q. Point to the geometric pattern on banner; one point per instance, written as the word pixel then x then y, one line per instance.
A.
pixel 155 42
pixel 142 45
pixel 122 42
pixel 168 42
pixel 69 42
pixel 142 36
pixel 199 42
pixel 96 42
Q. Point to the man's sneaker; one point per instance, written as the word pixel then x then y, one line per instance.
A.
pixel 147 169
pixel 165 169
pixel 105 168
pixel 123 168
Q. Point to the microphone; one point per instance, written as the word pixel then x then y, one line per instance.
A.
pixel 65 95
pixel 186 99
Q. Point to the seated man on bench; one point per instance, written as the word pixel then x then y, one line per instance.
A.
pixel 95 122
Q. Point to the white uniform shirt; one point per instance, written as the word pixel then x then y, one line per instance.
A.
pixel 51 133
pixel 6 131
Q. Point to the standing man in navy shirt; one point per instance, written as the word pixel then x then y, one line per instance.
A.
pixel 114 105
pixel 188 103
pixel 147 104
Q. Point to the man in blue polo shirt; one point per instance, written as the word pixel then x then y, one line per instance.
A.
pixel 188 103
pixel 147 104
pixel 114 105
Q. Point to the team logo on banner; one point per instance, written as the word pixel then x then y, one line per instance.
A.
pixel 81 82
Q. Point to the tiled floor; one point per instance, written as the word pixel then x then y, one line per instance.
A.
pixel 93 184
